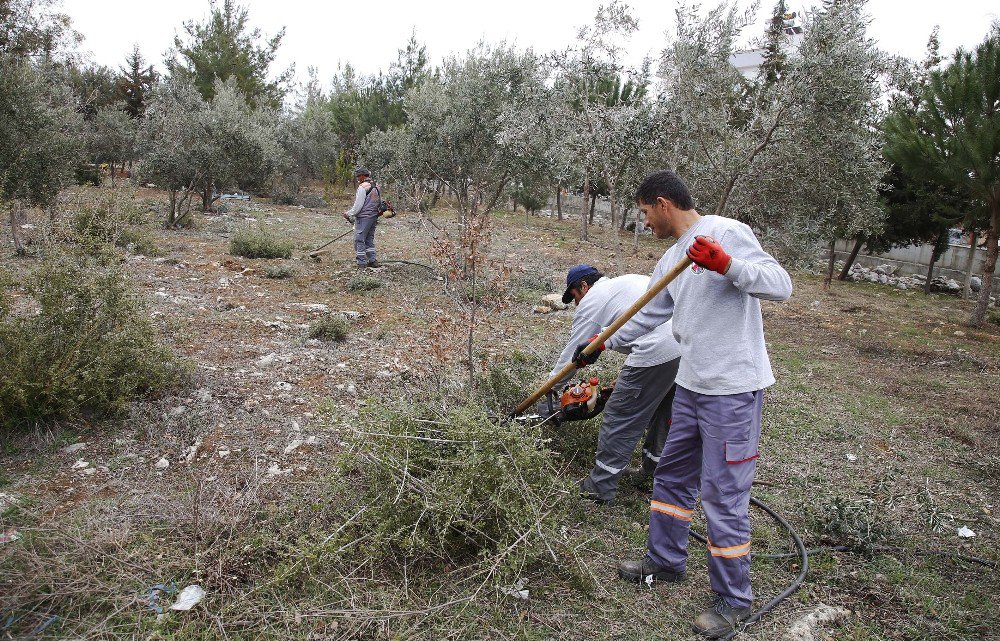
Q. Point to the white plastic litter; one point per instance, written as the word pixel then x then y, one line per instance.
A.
pixel 852 458
pixel 518 591
pixel 188 598
pixel 965 532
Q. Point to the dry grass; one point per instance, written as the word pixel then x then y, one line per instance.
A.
pixel 864 371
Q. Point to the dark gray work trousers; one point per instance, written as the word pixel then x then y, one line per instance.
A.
pixel 640 403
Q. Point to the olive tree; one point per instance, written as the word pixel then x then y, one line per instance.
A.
pixel 39 140
pixel 193 146
pixel 793 151
pixel 174 145
pixel 112 138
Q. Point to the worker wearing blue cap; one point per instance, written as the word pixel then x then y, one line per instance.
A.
pixel 643 392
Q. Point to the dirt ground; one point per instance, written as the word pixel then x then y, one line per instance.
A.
pixel 880 434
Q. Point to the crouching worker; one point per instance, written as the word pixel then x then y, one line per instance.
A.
pixel 643 392
pixel 713 442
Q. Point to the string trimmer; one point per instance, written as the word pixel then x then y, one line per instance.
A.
pixel 386 210
pixel 654 289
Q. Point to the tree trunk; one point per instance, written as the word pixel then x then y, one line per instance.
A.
pixel 206 198
pixel 858 242
pixel 559 201
pixel 635 231
pixel 16 220
pixel 829 266
pixel 930 274
pixel 586 201
pixel 613 227
pixel 593 206
pixel 979 313
pixel 970 262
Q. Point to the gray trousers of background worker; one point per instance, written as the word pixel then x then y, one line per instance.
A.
pixel 364 239
pixel 640 403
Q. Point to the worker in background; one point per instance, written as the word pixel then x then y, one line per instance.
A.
pixel 713 442
pixel 364 214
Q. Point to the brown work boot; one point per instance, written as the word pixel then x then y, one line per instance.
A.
pixel 720 620
pixel 645 571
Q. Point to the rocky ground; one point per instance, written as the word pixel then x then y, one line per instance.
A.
pixel 880 434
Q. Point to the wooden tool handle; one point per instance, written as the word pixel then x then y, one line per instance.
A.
pixel 655 289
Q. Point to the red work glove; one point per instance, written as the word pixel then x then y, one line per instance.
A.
pixel 580 359
pixel 707 252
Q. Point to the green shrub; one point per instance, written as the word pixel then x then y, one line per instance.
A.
pixel 462 488
pixel 853 522
pixel 79 344
pixel 362 282
pixel 330 328
pixel 279 271
pixel 257 242
pixel 113 220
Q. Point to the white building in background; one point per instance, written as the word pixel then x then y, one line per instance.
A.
pixel 748 62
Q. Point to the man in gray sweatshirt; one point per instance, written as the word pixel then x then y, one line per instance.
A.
pixel 644 390
pixel 364 214
pixel 712 446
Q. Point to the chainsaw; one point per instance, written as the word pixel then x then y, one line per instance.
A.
pixel 578 401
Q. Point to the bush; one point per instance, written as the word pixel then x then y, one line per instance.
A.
pixel 251 242
pixel 80 344
pixel 461 489
pixel 330 328
pixel 279 271
pixel 113 220
pixel 853 522
pixel 362 282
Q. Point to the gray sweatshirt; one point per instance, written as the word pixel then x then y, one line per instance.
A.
pixel 361 199
pixel 716 319
pixel 603 303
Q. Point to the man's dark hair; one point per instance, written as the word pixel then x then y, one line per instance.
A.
pixel 590 279
pixel 667 184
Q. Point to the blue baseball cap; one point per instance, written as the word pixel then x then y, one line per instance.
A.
pixel 576 272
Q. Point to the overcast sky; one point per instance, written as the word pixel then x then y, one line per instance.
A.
pixel 321 34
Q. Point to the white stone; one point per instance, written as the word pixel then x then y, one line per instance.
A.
pixel 554 301
pixel 79 465
pixel 163 463
pixel 75 447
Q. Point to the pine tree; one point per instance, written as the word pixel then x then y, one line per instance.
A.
pixel 775 58
pixel 135 82
pixel 226 47
pixel 954 138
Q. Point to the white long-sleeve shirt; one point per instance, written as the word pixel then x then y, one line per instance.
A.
pixel 601 305
pixel 716 318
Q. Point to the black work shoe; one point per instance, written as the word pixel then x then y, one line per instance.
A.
pixel 637 477
pixel 720 620
pixel 374 264
pixel 589 493
pixel 647 571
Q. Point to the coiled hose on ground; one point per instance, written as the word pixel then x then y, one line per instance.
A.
pixel 803 554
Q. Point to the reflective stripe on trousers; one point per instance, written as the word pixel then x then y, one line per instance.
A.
pixel 712 444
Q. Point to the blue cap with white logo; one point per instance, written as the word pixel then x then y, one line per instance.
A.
pixel 576 272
